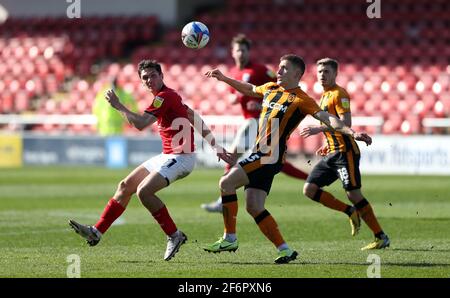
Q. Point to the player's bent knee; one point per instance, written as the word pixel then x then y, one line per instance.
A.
pixel 225 185
pixel 355 196
pixel 124 188
pixel 144 192
pixel 306 189
pixel 310 190
pixel 222 181
pixel 254 204
pixel 252 209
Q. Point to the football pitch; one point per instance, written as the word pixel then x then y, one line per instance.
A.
pixel 35 239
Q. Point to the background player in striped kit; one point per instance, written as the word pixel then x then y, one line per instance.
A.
pixel 341 159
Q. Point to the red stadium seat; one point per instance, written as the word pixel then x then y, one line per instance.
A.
pixel 392 124
pixel 205 108
pixel 312 143
pixel 439 109
pixel 295 143
pixel 411 125
pixel 406 73
pixel 7 101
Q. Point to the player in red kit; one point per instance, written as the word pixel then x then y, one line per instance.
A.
pixel 257 74
pixel 175 121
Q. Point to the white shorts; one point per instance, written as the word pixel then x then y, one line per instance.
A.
pixel 246 136
pixel 171 166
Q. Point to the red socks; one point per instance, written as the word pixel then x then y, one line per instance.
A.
pixel 165 221
pixel 111 212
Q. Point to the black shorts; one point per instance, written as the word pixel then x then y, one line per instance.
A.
pixel 260 173
pixel 337 165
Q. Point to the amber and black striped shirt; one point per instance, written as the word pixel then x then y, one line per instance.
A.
pixel 336 101
pixel 282 112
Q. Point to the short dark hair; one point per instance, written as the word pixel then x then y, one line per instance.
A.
pixel 241 39
pixel 144 64
pixel 296 61
pixel 328 61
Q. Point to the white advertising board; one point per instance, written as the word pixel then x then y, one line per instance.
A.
pixel 406 155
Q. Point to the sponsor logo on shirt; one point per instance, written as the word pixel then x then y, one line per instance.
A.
pixel 345 103
pixel 158 101
pixel 274 106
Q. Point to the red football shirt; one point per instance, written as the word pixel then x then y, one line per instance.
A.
pixel 176 133
pixel 256 74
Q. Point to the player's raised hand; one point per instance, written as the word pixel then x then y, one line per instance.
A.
pixel 310 130
pixel 222 154
pixel 362 136
pixel 215 73
pixel 323 151
pixel 112 98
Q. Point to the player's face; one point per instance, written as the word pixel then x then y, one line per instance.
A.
pixel 326 75
pixel 240 53
pixel 152 79
pixel 287 75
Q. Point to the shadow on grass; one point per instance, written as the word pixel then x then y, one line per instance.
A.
pixel 421 249
pixel 337 263
pixel 136 261
pixel 418 217
pixel 419 265
pixel 252 263
pixel 265 263
pixel 293 263
pixel 196 262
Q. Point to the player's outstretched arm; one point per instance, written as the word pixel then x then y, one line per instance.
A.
pixel 138 121
pixel 243 87
pixel 334 123
pixel 197 122
pixel 312 130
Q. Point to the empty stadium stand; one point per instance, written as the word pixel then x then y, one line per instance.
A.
pixel 396 67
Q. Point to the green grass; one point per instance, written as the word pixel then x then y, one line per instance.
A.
pixel 35 240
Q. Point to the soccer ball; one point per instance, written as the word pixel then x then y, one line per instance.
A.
pixel 195 35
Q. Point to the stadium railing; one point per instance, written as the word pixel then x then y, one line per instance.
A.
pixel 216 120
pixel 430 123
